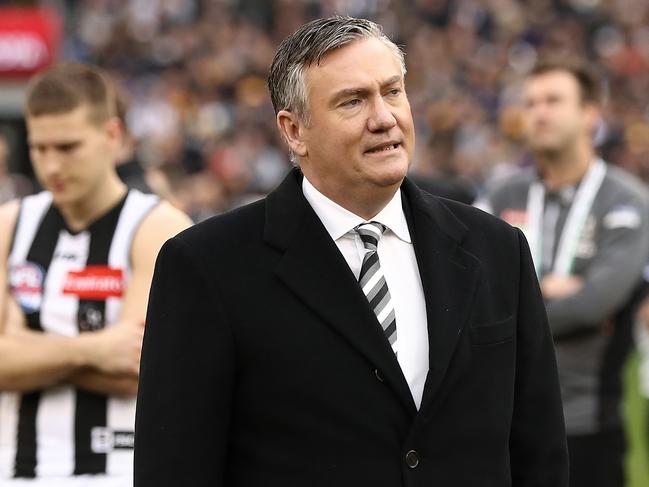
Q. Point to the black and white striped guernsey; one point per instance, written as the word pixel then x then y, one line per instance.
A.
pixel 69 283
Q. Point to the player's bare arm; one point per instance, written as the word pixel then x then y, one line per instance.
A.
pixel 106 361
pixel 29 361
pixel 8 217
pixel 162 223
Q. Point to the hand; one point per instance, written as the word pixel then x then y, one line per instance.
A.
pixel 116 349
pixel 554 286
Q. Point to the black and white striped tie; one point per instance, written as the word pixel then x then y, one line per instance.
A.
pixel 372 280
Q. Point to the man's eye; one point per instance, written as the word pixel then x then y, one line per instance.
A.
pixel 351 103
pixel 67 147
pixel 394 91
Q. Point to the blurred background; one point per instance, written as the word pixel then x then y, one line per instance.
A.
pixel 199 113
pixel 202 129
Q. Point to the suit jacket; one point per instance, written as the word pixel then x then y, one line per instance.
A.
pixel 263 364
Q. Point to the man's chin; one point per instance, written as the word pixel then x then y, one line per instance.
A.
pixel 62 198
pixel 547 149
pixel 391 179
pixel 393 172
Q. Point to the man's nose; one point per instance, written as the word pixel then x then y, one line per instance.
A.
pixel 381 117
pixel 539 110
pixel 50 161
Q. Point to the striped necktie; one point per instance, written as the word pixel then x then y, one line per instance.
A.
pixel 372 280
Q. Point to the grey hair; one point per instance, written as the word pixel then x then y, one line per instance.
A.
pixel 307 46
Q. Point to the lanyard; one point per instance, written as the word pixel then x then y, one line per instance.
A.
pixel 575 221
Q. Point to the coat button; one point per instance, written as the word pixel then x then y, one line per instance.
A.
pixel 412 459
pixel 378 375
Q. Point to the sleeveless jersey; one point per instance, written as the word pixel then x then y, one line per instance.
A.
pixel 69 283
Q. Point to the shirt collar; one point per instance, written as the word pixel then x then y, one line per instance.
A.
pixel 339 221
pixel 567 191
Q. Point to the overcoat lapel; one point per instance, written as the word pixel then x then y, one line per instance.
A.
pixel 315 270
pixel 449 277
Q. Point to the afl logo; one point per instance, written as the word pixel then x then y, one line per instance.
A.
pixel 26 282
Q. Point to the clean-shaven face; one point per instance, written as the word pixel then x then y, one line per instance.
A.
pixel 360 136
pixel 71 156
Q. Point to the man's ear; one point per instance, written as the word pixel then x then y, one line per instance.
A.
pixel 292 130
pixel 115 130
pixel 594 115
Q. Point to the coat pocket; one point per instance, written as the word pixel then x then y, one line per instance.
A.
pixel 493 333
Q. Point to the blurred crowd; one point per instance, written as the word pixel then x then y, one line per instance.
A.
pixel 201 119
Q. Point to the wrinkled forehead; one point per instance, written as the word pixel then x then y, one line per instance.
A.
pixel 361 64
pixel 382 46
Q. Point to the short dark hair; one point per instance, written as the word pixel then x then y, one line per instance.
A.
pixel 590 87
pixel 68 86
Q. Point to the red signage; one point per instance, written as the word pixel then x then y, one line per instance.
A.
pixel 29 40
pixel 95 283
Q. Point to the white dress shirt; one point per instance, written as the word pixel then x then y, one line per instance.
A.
pixel 399 265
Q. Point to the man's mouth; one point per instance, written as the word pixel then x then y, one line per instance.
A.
pixel 384 148
pixel 56 186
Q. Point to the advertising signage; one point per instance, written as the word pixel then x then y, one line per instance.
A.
pixel 29 40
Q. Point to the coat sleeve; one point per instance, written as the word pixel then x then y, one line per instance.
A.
pixel 186 377
pixel 538 451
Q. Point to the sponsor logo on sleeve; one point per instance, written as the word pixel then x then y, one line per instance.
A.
pixel 623 216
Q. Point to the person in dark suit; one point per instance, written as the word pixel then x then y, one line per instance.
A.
pixel 350 329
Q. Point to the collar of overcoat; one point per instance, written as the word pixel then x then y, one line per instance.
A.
pixel 315 270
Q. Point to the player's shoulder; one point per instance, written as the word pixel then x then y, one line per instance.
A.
pixel 162 222
pixel 166 217
pixel 506 189
pixel 8 217
pixel 622 201
pixel 519 179
pixel 9 212
pixel 622 183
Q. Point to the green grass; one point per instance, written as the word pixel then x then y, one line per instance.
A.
pixel 635 410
